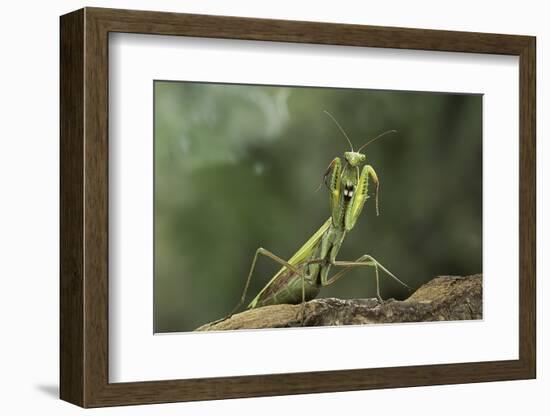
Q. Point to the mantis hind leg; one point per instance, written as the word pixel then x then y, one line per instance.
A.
pixel 268 254
pixel 282 262
pixel 364 260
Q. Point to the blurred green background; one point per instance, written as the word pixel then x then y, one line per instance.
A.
pixel 237 166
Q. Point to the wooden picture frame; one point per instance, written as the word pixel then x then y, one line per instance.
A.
pixel 84 207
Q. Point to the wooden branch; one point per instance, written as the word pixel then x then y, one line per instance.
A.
pixel 445 298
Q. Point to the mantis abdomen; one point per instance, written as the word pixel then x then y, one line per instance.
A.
pixel 309 272
pixel 287 289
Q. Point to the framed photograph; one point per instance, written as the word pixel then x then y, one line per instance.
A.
pixel 255 207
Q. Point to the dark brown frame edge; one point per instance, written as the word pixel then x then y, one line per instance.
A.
pixel 84 207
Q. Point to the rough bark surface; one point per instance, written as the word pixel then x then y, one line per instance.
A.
pixel 445 298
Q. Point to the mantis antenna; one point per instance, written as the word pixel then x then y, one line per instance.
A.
pixel 376 138
pixel 340 127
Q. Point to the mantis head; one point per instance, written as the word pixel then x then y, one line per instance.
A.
pixel 348 183
pixel 355 158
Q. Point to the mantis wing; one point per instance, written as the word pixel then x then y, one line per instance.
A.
pixel 302 254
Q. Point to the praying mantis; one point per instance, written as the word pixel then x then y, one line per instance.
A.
pixel 301 278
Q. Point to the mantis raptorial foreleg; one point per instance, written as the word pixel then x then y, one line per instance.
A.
pixel 360 262
pixel 374 176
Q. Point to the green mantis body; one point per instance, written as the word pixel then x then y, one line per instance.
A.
pixel 307 271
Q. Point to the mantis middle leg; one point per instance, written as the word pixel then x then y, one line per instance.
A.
pixel 364 260
pixel 303 278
